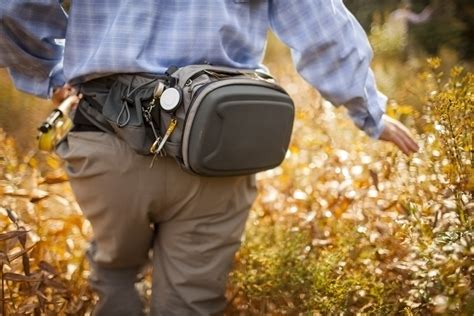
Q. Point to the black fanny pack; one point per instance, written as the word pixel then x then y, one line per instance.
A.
pixel 215 121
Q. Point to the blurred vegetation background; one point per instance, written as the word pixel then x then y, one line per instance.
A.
pixel 451 25
pixel 449 33
pixel 345 226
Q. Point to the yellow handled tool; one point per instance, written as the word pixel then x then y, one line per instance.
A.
pixel 57 125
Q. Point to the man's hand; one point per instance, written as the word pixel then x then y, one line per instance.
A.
pixel 60 94
pixel 395 132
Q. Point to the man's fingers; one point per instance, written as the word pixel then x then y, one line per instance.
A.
pixel 413 146
pixel 409 147
pixel 60 94
pixel 398 134
pixel 405 136
pixel 398 140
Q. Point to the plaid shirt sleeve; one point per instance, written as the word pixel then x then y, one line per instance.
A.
pixel 331 51
pixel 30 44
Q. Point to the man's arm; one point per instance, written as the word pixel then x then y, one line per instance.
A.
pixel 31 32
pixel 331 51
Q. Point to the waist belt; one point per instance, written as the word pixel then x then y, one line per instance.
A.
pixel 215 121
pixel 88 116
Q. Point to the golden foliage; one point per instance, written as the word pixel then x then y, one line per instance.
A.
pixel 348 225
pixel 42 239
pixel 345 225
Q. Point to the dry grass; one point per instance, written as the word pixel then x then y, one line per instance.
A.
pixel 345 225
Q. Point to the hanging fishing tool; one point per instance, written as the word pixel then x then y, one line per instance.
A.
pixel 170 100
pixel 57 125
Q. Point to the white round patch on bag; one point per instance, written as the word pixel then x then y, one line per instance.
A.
pixel 170 99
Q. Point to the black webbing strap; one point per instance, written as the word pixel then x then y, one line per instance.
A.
pixel 91 111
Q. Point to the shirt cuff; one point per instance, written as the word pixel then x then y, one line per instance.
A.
pixel 38 86
pixel 31 85
pixel 375 131
pixel 374 124
pixel 369 116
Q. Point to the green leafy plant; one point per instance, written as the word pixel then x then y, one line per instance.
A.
pixel 450 115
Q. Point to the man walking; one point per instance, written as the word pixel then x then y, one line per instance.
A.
pixel 192 224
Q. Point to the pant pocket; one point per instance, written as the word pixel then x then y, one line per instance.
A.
pixel 86 154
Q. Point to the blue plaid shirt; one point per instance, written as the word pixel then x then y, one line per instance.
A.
pixel 43 47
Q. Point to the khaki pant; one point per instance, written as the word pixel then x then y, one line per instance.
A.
pixel 193 225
